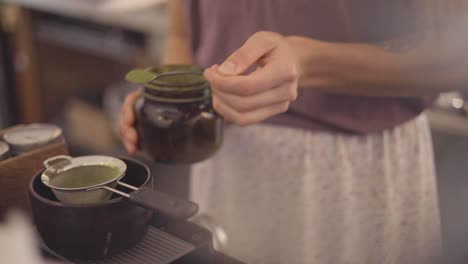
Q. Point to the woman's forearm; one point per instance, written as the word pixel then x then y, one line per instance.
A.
pixel 177 51
pixel 177 48
pixel 369 70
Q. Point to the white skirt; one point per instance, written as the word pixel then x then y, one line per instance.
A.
pixel 290 196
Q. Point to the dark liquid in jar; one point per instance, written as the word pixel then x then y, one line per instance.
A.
pixel 175 134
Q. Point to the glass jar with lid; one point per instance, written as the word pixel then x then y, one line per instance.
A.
pixel 176 122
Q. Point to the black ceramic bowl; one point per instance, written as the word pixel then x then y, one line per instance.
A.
pixel 91 231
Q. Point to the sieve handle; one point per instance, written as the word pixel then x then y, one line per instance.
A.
pixel 157 201
pixel 110 189
pixel 164 203
pixel 131 187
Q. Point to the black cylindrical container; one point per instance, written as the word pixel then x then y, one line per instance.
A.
pixel 175 119
pixel 91 231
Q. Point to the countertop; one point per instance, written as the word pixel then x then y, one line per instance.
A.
pixel 448 122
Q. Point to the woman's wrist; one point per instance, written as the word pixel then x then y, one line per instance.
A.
pixel 310 56
pixel 349 68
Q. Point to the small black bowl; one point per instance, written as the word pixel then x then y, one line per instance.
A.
pixel 91 231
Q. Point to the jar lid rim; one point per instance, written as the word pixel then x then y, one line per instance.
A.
pixel 176 100
pixel 157 80
pixel 176 89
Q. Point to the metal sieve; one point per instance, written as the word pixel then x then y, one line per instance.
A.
pixel 157 201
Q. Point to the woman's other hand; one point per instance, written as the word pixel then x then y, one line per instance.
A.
pixel 267 91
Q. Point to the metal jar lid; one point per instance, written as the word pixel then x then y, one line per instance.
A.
pixel 4 150
pixel 28 137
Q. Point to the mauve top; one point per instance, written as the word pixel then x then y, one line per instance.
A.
pixel 219 27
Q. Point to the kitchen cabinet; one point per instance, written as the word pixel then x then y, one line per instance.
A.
pixel 60 49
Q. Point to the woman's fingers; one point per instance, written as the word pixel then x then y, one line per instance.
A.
pixel 129 143
pixel 127 122
pixel 128 113
pixel 131 135
pixel 130 148
pixel 256 47
pixel 246 118
pixel 263 79
pixel 283 93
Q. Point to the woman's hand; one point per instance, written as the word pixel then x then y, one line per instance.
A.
pixel 267 91
pixel 127 122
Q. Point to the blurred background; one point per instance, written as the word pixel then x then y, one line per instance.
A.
pixel 63 62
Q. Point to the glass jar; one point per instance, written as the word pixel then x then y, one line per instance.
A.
pixel 176 122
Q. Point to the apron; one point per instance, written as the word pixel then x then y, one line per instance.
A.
pixel 284 195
